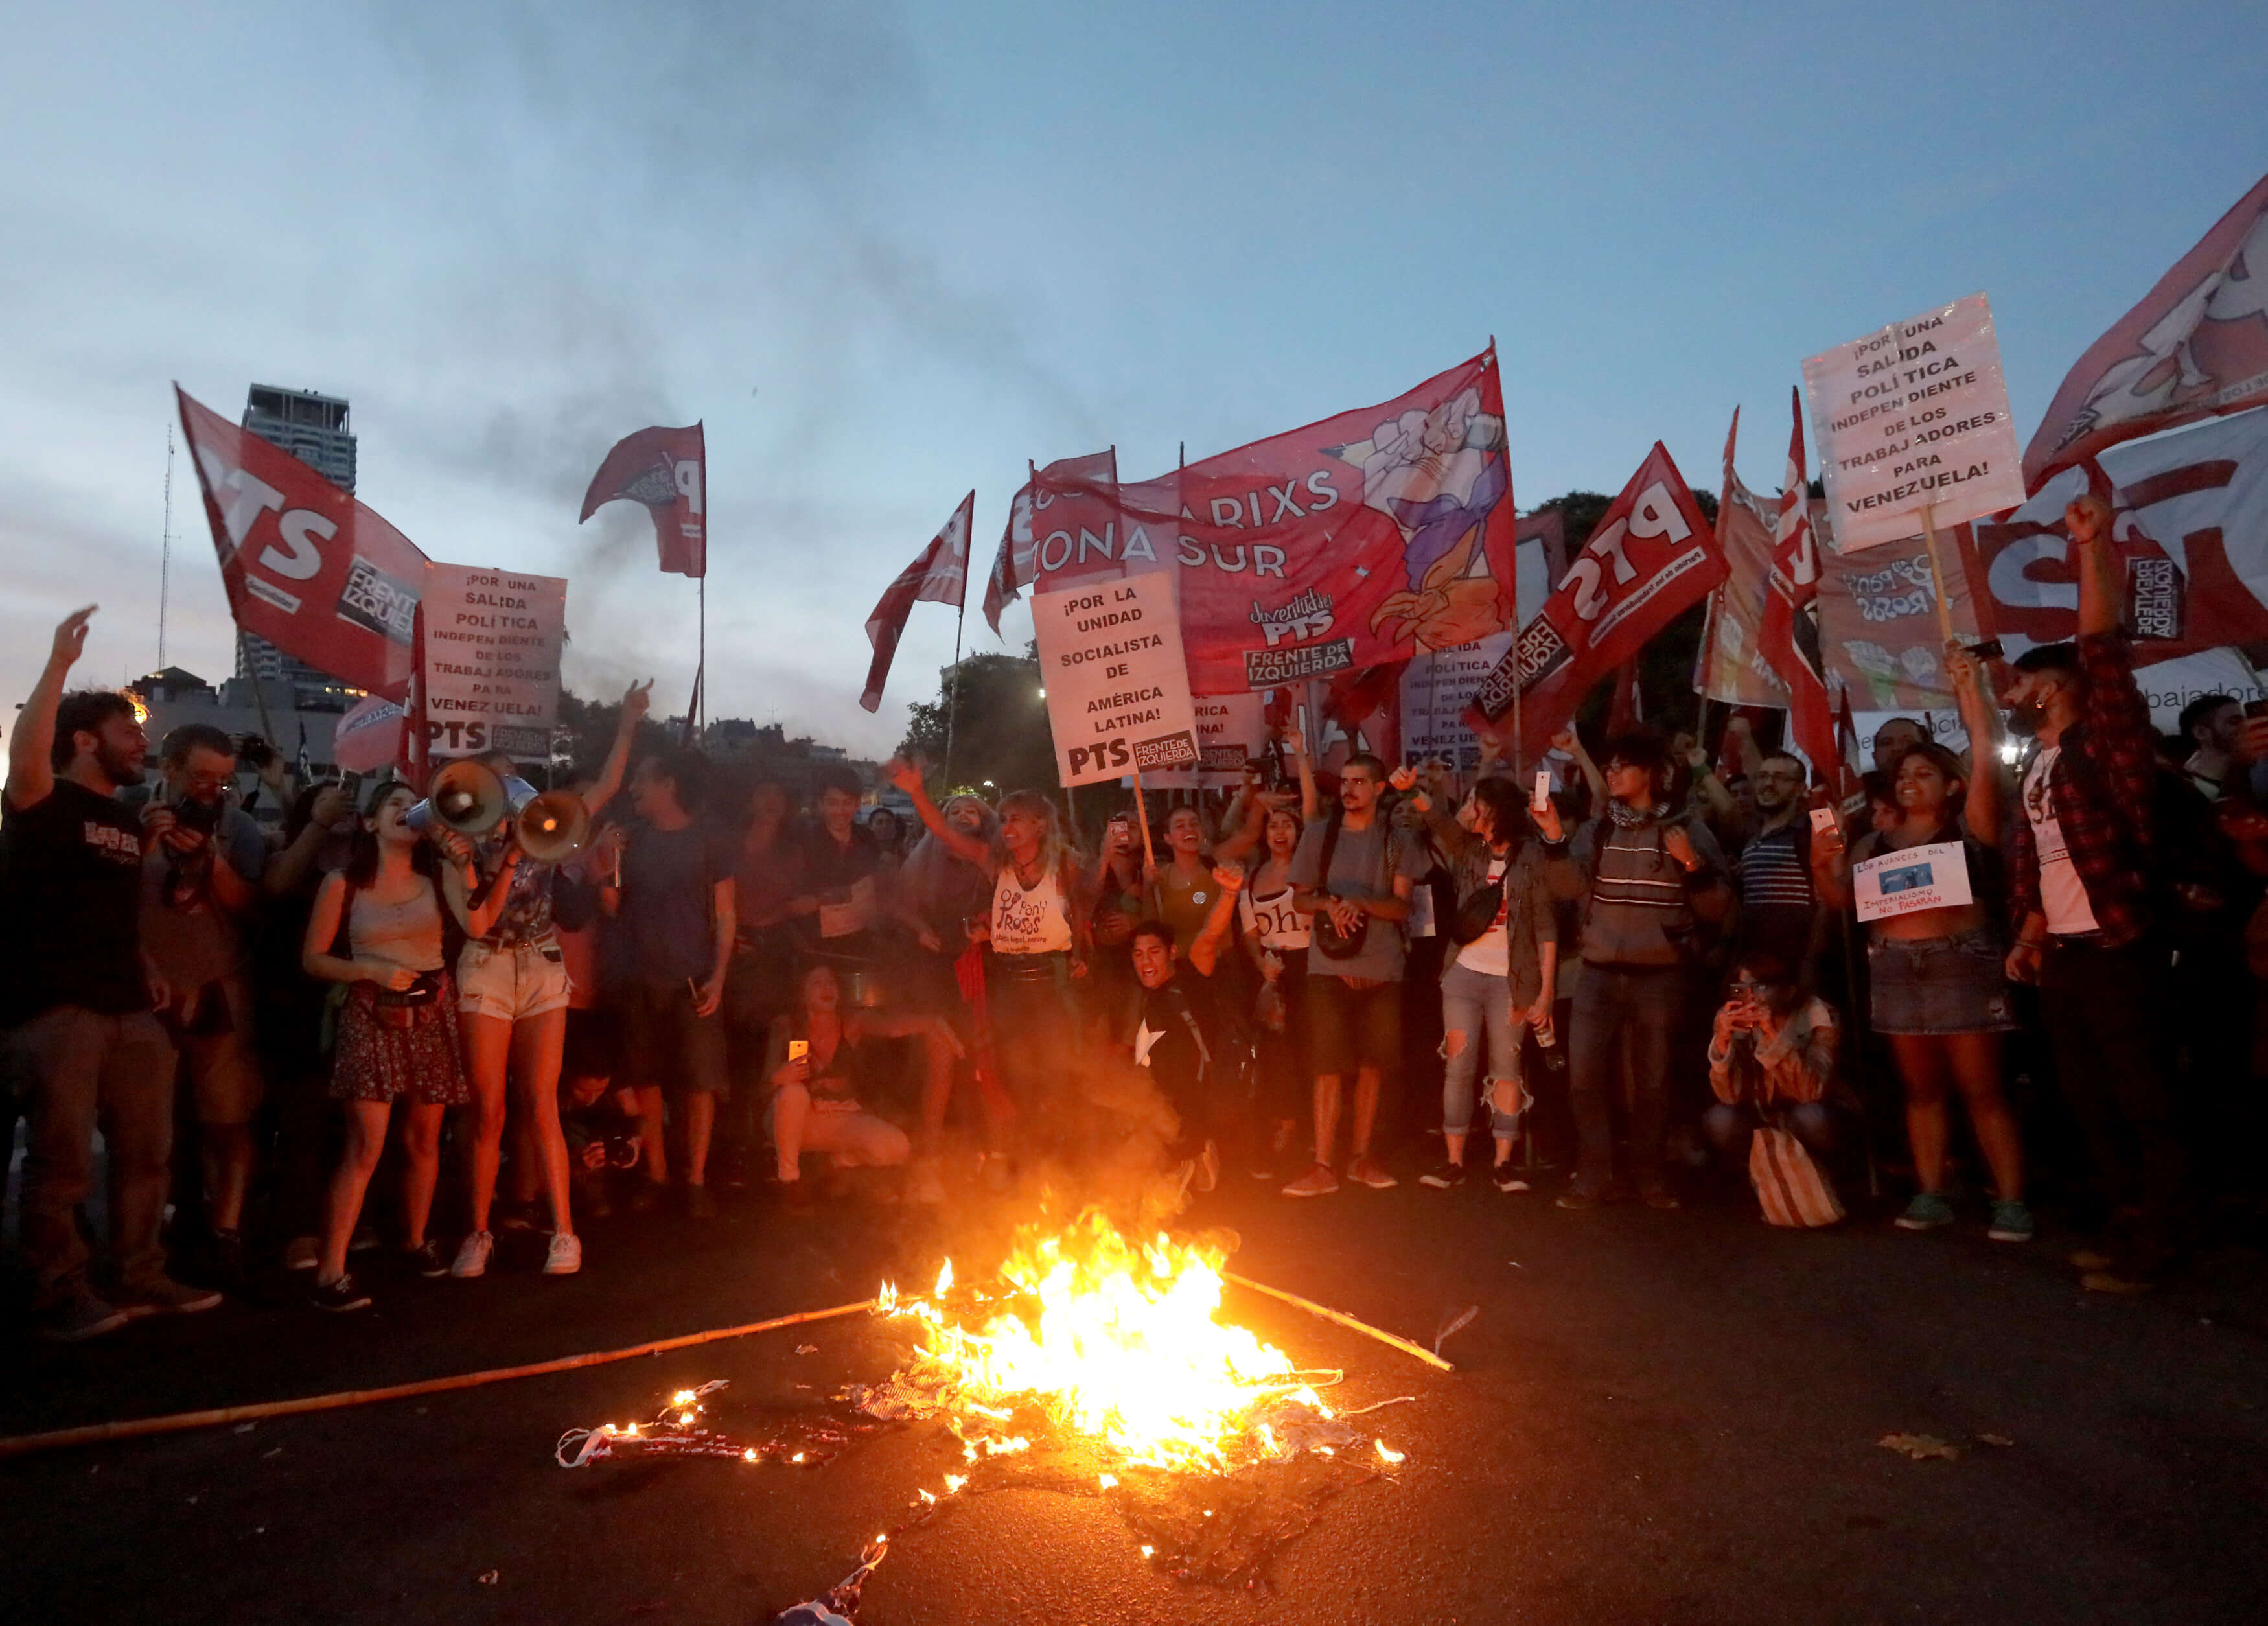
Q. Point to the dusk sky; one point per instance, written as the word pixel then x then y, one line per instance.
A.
pixel 888 253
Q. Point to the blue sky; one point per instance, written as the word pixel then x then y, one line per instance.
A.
pixel 888 253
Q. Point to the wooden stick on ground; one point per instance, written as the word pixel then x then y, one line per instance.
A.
pixel 1329 1314
pixel 182 1422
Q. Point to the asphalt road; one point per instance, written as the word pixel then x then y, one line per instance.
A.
pixel 1655 1416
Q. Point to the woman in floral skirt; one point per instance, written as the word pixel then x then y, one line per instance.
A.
pixel 397 1028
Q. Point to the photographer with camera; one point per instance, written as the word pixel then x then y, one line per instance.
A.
pixel 201 877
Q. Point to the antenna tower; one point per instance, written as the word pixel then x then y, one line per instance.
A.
pixel 165 550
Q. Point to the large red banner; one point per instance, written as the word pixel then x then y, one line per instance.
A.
pixel 306 566
pixel 1356 542
pixel 2196 346
pixel 1651 556
pixel 667 470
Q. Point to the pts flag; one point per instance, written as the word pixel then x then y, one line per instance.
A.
pixel 306 566
pixel 1651 556
pixel 666 470
pixel 2197 346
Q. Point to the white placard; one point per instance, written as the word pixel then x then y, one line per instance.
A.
pixel 491 668
pixel 1436 686
pixel 1118 686
pixel 1912 878
pixel 1911 415
pixel 1232 729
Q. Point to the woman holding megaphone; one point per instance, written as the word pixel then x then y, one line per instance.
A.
pixel 512 989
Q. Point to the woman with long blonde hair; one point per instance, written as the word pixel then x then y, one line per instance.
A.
pixel 1038 931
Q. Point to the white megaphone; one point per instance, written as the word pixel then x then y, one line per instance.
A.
pixel 464 796
pixel 550 825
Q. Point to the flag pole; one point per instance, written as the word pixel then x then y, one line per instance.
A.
pixel 952 678
pixel 701 660
pixel 1519 734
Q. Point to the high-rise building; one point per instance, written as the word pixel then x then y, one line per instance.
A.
pixel 313 428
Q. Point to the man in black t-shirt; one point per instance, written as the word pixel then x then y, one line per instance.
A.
pixel 82 1045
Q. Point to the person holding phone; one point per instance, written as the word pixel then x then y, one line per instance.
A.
pixel 821 1064
pixel 398 1035
pixel 1938 991
pixel 1772 1061
pixel 1498 984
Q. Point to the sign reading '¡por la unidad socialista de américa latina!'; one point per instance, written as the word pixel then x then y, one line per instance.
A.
pixel 1117 681
pixel 1913 416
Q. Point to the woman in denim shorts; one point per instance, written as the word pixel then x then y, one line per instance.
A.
pixel 1940 995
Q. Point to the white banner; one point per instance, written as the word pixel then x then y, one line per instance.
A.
pixel 1231 730
pixel 1912 878
pixel 1117 683
pixel 1435 687
pixel 491 667
pixel 1914 414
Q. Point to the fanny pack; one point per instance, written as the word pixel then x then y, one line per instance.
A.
pixel 408 1006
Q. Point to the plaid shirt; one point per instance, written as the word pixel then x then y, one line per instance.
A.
pixel 2101 787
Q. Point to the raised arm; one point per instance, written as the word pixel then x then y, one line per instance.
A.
pixel 1568 740
pixel 1986 791
pixel 908 778
pixel 636 701
pixel 1310 804
pixel 1205 953
pixel 477 904
pixel 2088 519
pixel 30 763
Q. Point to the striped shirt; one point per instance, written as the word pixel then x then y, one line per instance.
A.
pixel 1772 870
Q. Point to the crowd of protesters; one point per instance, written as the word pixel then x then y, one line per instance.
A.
pixel 1625 968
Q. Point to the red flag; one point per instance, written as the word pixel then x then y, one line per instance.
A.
pixel 1626 707
pixel 938 575
pixel 2198 345
pixel 1788 636
pixel 1730 665
pixel 1356 542
pixel 306 566
pixel 1651 557
pixel 666 470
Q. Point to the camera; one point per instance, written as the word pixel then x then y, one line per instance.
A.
pixel 254 752
pixel 201 817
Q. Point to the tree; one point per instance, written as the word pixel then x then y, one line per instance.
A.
pixel 994 723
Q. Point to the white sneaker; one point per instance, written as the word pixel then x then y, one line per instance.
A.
pixel 472 1257
pixel 565 1255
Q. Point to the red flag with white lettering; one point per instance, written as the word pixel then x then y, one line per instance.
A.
pixel 2197 346
pixel 667 470
pixel 1357 541
pixel 938 575
pixel 1788 634
pixel 1651 556
pixel 306 566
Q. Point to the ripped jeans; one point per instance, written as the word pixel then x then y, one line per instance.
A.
pixel 1479 1006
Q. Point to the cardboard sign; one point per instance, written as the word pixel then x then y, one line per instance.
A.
pixel 1232 729
pixel 1435 687
pixel 491 670
pixel 1118 691
pixel 1910 416
pixel 1912 878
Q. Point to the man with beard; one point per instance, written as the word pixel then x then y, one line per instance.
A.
pixel 202 873
pixel 1773 872
pixel 2084 928
pixel 83 1047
